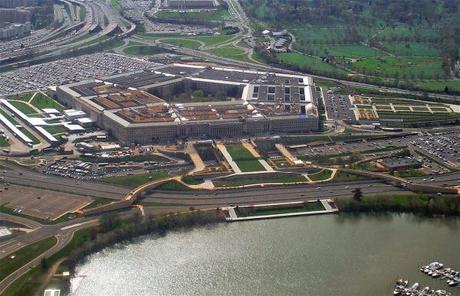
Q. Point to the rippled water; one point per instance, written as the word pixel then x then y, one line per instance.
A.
pixel 317 255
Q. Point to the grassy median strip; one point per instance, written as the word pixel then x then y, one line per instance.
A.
pixel 248 180
pixel 24 255
pixel 136 180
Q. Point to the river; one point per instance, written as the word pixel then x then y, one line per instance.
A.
pixel 317 255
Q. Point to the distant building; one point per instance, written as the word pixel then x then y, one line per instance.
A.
pixel 400 163
pixel 11 31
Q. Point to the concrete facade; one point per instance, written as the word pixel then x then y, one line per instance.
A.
pixel 260 104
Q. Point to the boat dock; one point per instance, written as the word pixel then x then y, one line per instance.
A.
pixel 402 287
pixel 437 270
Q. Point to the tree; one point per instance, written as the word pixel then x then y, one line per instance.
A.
pixel 357 194
pixel 44 263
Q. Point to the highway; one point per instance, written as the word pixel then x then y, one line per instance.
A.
pixel 22 176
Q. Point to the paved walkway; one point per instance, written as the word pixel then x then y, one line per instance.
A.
pixel 196 159
pixel 228 158
pixel 256 154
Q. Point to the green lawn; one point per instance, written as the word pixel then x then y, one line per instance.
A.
pixel 23 107
pixel 4 142
pixel 20 97
pixel 229 52
pixel 117 5
pixel 210 16
pixel 134 181
pixel 322 175
pixel 192 180
pixel 416 116
pixel 24 255
pixel 98 201
pixel 26 132
pixel 173 185
pixel 411 67
pixel 55 129
pixel 439 85
pixel 188 43
pixel 215 39
pixel 307 63
pixel 243 158
pixel 268 179
pixel 346 51
pixel 282 209
pixel 143 50
pixel 42 101
pixel 411 49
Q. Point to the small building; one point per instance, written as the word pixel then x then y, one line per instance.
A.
pixel 85 122
pixel 265 32
pixel 86 147
pixel 74 128
pixel 109 147
pixel 400 163
pixel 72 114
pixel 49 111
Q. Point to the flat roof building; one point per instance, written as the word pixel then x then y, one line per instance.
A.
pixel 188 101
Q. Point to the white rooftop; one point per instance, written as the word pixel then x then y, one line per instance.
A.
pixel 74 127
pixel 50 111
pixel 85 120
pixel 4 231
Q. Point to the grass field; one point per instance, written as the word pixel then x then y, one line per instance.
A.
pixel 24 255
pixel 268 179
pixel 307 63
pixel 117 5
pixel 55 129
pixel 346 51
pixel 21 97
pixel 322 175
pixel 42 101
pixel 282 209
pixel 440 85
pixel 210 16
pixel 417 116
pixel 412 49
pixel 4 142
pixel 23 107
pixel 134 181
pixel 243 158
pixel 143 50
pixel 411 67
pixel 172 185
pixel 182 42
pixel 192 180
pixel 231 52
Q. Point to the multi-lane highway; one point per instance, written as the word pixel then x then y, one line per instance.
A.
pixel 15 174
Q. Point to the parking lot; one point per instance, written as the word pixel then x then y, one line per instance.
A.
pixel 69 70
pixel 43 204
pixel 444 147
pixel 338 107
